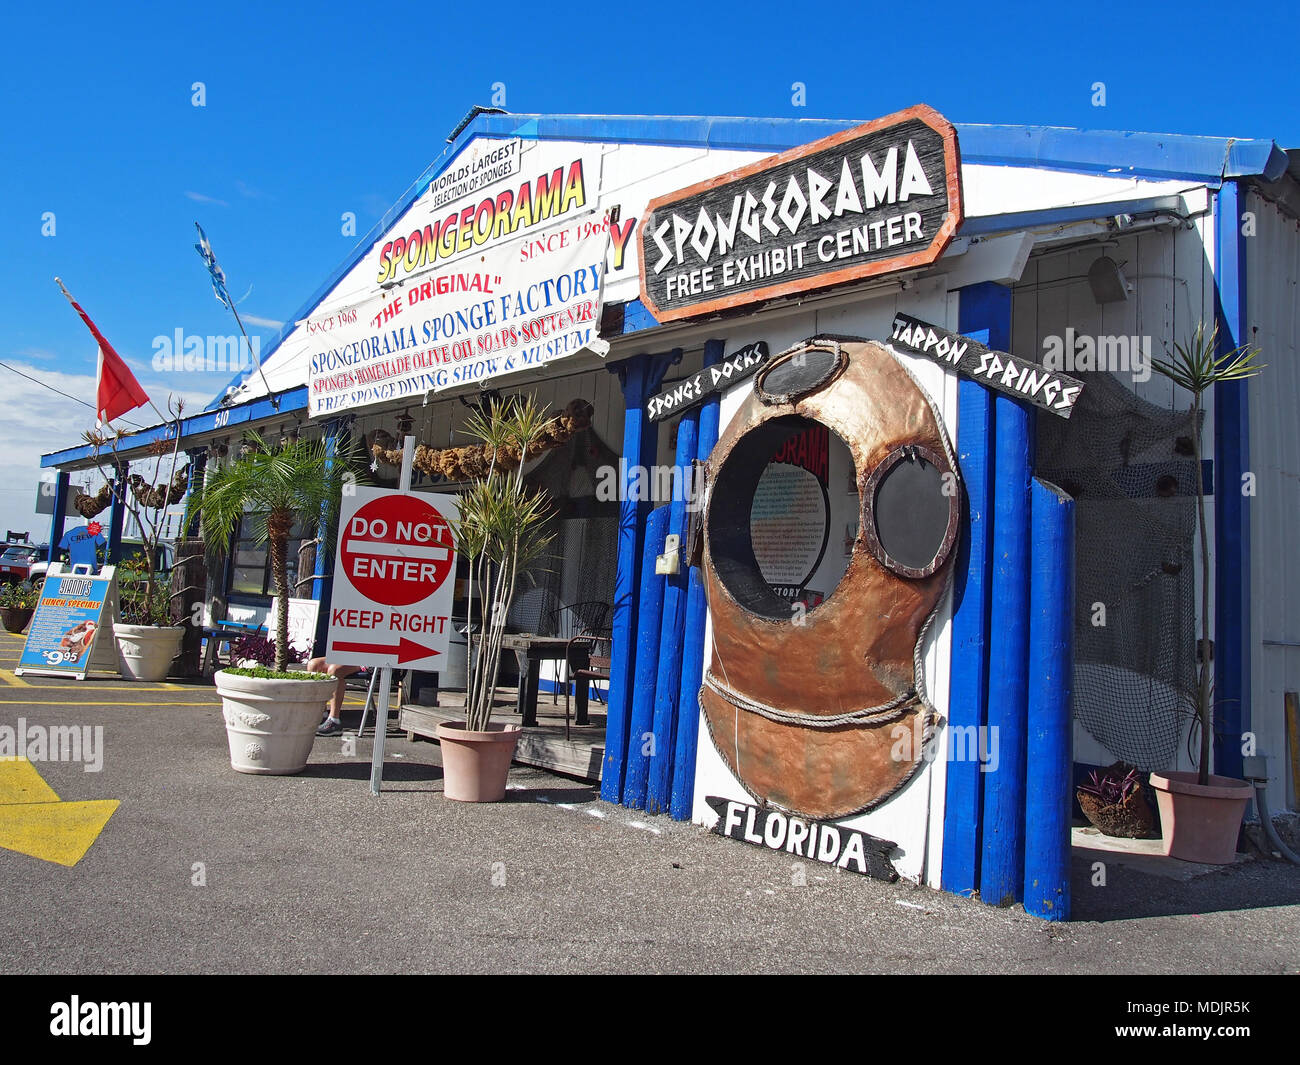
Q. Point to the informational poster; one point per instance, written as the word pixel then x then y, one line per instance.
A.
pixel 789 519
pixel 394 574
pixel 302 622
pixel 496 268
pixel 67 624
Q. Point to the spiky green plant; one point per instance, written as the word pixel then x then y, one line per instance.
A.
pixel 500 532
pixel 300 481
pixel 1197 366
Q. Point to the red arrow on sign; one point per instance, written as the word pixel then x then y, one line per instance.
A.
pixel 406 650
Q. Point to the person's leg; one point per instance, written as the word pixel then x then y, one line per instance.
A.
pixel 333 724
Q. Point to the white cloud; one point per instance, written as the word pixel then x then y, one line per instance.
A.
pixel 198 197
pixel 35 421
pixel 257 320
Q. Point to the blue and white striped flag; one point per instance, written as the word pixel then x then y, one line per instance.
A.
pixel 204 248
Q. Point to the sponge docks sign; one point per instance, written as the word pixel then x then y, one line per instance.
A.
pixel 878 198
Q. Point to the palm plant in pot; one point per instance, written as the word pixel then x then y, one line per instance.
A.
pixel 500 532
pixel 146 635
pixel 272 713
pixel 1200 813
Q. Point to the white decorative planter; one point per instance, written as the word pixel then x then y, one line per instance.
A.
pixel 271 724
pixel 145 652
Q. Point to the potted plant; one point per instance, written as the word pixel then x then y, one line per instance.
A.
pixel 271 713
pixel 1117 803
pixel 1200 813
pixel 17 605
pixel 146 637
pixel 499 531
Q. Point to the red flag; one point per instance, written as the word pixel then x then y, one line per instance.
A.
pixel 116 389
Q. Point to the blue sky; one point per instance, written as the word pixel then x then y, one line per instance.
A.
pixel 314 110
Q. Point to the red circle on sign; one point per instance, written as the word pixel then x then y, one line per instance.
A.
pixel 396 550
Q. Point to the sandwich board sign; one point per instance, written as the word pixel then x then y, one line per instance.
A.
pixel 73 621
pixel 394 575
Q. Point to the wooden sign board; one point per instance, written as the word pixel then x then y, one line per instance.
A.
pixel 838 845
pixel 1021 379
pixel 691 392
pixel 875 199
pixel 72 627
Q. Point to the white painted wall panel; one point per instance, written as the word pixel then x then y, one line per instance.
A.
pixel 1273 273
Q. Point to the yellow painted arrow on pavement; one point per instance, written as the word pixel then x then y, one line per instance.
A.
pixel 36 822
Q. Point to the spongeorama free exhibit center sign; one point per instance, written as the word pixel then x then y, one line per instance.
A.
pixel 881 197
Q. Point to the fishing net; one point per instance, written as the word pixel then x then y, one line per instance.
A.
pixel 1130 468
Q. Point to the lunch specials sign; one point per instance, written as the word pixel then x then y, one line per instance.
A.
pixel 498 267
pixel 394 572
pixel 65 630
pixel 878 198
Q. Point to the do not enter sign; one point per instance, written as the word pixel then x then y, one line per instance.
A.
pixel 396 550
pixel 394 579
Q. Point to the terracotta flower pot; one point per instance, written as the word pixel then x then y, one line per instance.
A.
pixel 16 618
pixel 1200 822
pixel 475 764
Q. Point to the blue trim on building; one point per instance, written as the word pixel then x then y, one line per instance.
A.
pixel 1049 796
pixel 1148 155
pixel 206 422
pixel 1232 574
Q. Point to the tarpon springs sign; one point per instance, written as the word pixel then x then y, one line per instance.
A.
pixel 694 390
pixel 874 199
pixel 1018 378
pixel 846 848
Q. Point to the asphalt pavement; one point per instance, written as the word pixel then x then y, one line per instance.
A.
pixel 200 869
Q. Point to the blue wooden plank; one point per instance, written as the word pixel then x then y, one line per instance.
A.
pixel 688 718
pixel 1003 806
pixel 649 624
pixel 984 310
pixel 639 376
pixel 1232 628
pixel 668 682
pixel 1048 746
pixel 968 690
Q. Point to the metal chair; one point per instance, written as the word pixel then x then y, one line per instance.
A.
pixel 586 658
pixel 578 619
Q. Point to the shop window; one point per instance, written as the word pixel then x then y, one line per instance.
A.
pixel 251 569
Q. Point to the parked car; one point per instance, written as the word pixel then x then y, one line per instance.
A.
pixel 17 561
pixel 130 548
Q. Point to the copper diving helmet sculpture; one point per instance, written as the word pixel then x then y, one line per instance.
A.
pixel 806 708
